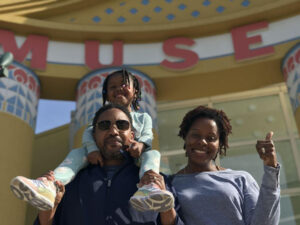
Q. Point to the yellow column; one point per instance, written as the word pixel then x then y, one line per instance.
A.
pixel 18 107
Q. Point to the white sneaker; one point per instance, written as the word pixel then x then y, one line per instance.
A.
pixel 151 198
pixel 40 193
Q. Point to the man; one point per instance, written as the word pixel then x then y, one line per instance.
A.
pixel 100 195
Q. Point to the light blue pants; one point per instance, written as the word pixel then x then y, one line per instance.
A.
pixel 72 164
pixel 150 160
pixel 77 159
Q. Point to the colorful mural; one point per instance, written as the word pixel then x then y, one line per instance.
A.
pixel 291 72
pixel 89 96
pixel 19 93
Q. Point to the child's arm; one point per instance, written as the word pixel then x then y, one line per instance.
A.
pixel 144 142
pixel 88 141
pixel 93 153
pixel 136 149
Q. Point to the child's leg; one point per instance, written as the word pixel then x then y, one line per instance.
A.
pixel 150 197
pixel 41 192
pixel 150 160
pixel 67 170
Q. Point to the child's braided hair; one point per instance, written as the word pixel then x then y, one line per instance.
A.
pixel 127 76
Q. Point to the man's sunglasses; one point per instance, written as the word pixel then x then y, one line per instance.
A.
pixel 122 125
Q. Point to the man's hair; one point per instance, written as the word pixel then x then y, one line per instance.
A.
pixel 127 76
pixel 221 119
pixel 108 107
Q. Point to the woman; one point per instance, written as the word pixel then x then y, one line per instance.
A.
pixel 212 195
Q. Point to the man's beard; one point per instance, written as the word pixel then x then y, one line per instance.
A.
pixel 108 155
pixel 112 154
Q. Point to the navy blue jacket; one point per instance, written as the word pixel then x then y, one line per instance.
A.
pixel 92 199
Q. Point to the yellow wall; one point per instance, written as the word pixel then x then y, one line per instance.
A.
pixel 49 149
pixel 16 158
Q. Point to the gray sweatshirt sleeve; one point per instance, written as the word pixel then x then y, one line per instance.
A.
pixel 88 141
pixel 266 210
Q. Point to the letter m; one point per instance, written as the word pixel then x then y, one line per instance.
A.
pixel 37 45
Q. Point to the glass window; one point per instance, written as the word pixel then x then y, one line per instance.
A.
pixel 290 209
pixel 168 127
pixel 246 158
pixel 251 119
pixel 174 163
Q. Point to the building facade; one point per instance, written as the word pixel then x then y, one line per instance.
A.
pixel 241 56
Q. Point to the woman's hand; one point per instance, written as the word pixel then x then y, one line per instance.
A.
pixel 152 177
pixel 266 150
pixel 95 158
pixel 167 217
pixel 135 149
pixel 59 193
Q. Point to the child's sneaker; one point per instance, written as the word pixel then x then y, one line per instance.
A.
pixel 40 193
pixel 151 198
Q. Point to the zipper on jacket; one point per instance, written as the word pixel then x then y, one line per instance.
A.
pixel 108 183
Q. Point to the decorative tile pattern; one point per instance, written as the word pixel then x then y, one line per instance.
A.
pixel 145 2
pixel 89 96
pixel 96 19
pixel 143 11
pixel 109 11
pixel 206 2
pixel 121 19
pixel 170 16
pixel 195 13
pixel 182 6
pixel 133 11
pixel 220 9
pixel 157 9
pixel 245 3
pixel 19 93
pixel 146 19
pixel 291 72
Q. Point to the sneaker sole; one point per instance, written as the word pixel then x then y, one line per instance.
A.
pixel 154 202
pixel 24 192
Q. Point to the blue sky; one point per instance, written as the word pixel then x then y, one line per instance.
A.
pixel 53 113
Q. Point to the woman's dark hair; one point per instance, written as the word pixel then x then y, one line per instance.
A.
pixel 127 76
pixel 221 119
pixel 108 107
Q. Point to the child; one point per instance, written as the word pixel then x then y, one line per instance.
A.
pixel 120 87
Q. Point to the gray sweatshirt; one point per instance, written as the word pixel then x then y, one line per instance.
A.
pixel 229 197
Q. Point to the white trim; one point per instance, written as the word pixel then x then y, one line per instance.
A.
pixel 272 90
pixel 290 218
pixel 151 53
pixel 290 192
